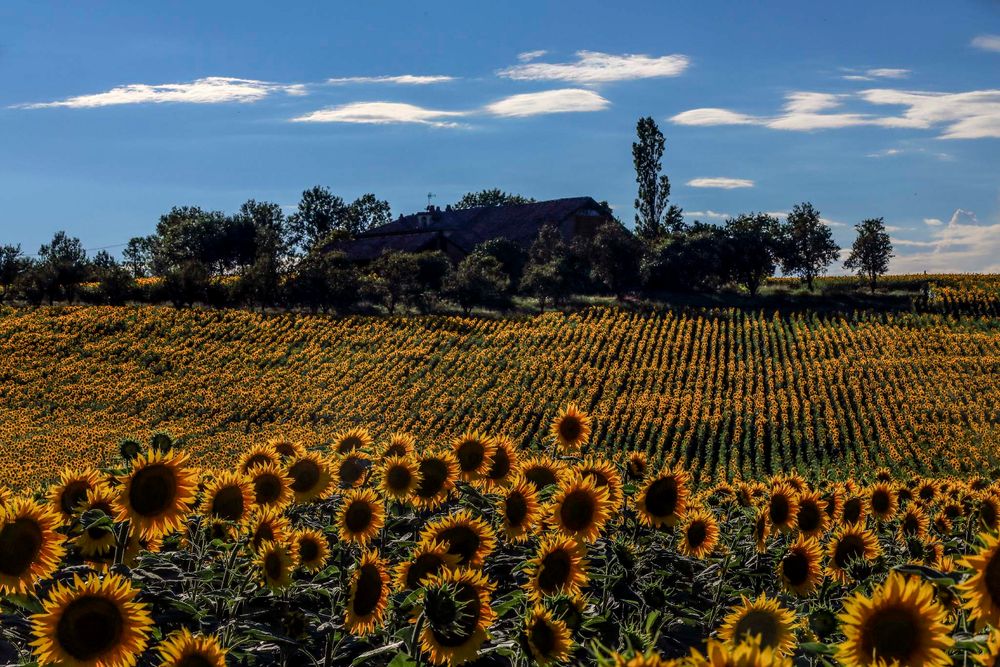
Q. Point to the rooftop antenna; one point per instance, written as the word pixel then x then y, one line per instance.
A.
pixel 430 195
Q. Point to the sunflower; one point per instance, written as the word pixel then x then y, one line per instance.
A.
pixel 228 496
pixel 267 524
pixel 183 649
pixel 811 518
pixel 351 470
pixel 400 477
pixel 559 566
pixel 427 559
pixel 311 477
pixel 699 534
pixel 850 544
pixel 30 547
pixel 548 638
pixel 800 568
pixel 286 449
pixel 468 537
pixel 257 455
pixel 914 523
pixel 636 465
pixel 763 618
pixel 943 524
pixel 400 444
pixel 505 462
pixel 519 508
pixel 156 495
pixel 761 530
pixel 782 507
pixel 981 591
pixel 457 615
pixel 474 453
pixel 438 472
pixel 990 656
pixel 663 499
pixel 900 624
pixel 276 561
pixel 834 499
pixel 881 502
pixel 312 548
pixel 927 490
pixel 217 529
pixel 542 470
pixel 360 516
pixel 604 474
pixel 93 622
pixel 580 508
pixel 648 659
pixel 272 487
pixel 96 540
pixel 748 653
pixel 66 495
pixel 369 595
pixel 571 428
pixel 883 474
pixel 351 440
pixel 903 495
pixel 925 552
pixel 989 511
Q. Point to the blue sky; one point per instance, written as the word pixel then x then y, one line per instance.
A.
pixel 110 113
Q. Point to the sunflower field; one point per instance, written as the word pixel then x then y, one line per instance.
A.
pixel 475 550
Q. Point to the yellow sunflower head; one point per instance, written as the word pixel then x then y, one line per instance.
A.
pixel 850 548
pixel 311 477
pixel 699 534
pixel 927 490
pixel 981 591
pixel 783 507
pixel 505 463
pixel 604 474
pixel 360 516
pixel 438 473
pixel 989 511
pixel 747 653
pixel 400 477
pixel 286 449
pixel 352 440
pixel 761 530
pixel 30 547
pixel 352 470
pixel 95 540
pixel 184 649
pixel 229 496
pixel 811 518
pixel 277 561
pixel 548 639
pixel 542 470
pixel 636 465
pixel 914 522
pixel 457 614
pixel 267 524
pixel 764 619
pixel 571 428
pixel 312 548
pixel 801 568
pixel 900 624
pixel 400 444
pixel 66 495
pixel 272 487
pixel 580 508
pixel 468 537
pixel 257 455
pixel 369 595
pixel 427 559
pixel 559 566
pixel 519 508
pixel 663 499
pixel 474 453
pixel 157 494
pixel 94 621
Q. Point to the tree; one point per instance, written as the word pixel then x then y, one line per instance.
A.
pixel 188 234
pixel 319 213
pixel 807 243
pixel 138 256
pixel 114 280
pixel 323 280
pixel 478 280
pixel 64 266
pixel 186 283
pixel 256 233
pixel 752 255
pixel 399 278
pixel 612 254
pixel 13 264
pixel 653 218
pixel 546 276
pixel 510 254
pixel 690 260
pixel 366 212
pixel 494 197
pixel 871 251
pixel 432 267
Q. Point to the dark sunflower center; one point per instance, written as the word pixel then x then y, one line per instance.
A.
pixel 263 533
pixel 471 455
pixel 351 471
pixel 501 464
pixel 848 549
pixel 72 495
pixel 892 635
pixel 20 542
pixel 194 660
pixel 515 509
pixel 597 476
pixel 570 428
pixel 881 502
pixel 228 503
pixel 795 568
pixel 462 541
pixel 578 510
pixel 779 509
pixel 662 497
pixel 759 623
pixel 809 517
pixel 554 571
pixel 434 474
pixel 368 592
pixel 831 505
pixel 267 489
pixel 395 450
pixel 308 550
pixel 273 565
pixel 257 460
pixel 988 514
pixel 358 516
pixel 399 478
pixel 636 467
pixel 153 490
pixel 423 566
pixel 349 444
pixel 926 493
pixel 696 534
pixel 852 510
pixel 285 449
pixel 911 524
pixel 305 475
pixel 540 476
pixel 458 620
pixel 543 637
pixel 89 627
pixel 953 511
pixel 992 578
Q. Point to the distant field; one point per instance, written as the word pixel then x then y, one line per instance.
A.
pixel 727 393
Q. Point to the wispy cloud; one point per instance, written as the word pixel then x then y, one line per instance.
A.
pixel 887 152
pixel 967 115
pixel 528 56
pixel 721 182
pixel 961 244
pixel 987 42
pixel 877 73
pixel 709 214
pixel 209 90
pixel 596 67
pixel 401 79
pixel 550 101
pixel 381 113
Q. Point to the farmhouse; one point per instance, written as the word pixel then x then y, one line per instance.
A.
pixel 457 231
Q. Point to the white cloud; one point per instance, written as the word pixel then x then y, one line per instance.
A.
pixel 888 152
pixel 877 73
pixel 968 115
pixel 596 67
pixel 210 90
pixel 832 223
pixel 713 215
pixel 721 182
pixel 528 56
pixel 402 79
pixel 549 101
pixel 381 113
pixel 963 244
pixel 987 42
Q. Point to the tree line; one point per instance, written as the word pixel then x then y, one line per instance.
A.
pixel 261 257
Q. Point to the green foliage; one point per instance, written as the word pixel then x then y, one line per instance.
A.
pixel 807 243
pixel 653 217
pixel 871 251
pixel 490 197
pixel 478 280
